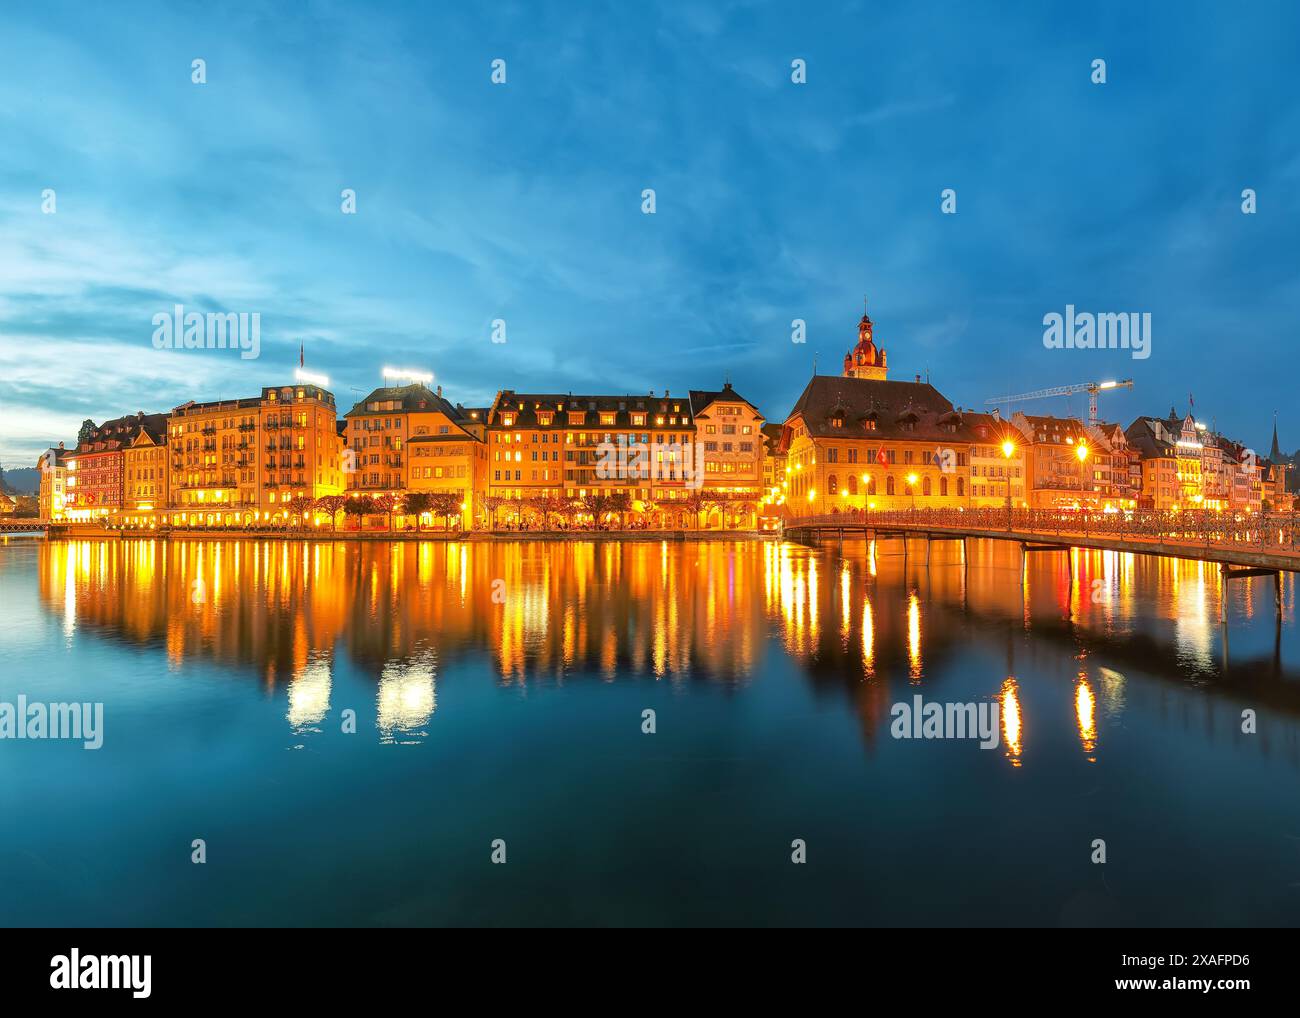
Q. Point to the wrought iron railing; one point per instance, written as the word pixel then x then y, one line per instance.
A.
pixel 1269 531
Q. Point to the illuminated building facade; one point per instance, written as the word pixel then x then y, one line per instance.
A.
pixel 212 456
pixel 52 494
pixel 997 462
pixel 144 465
pixel 448 455
pixel 729 429
pixel 96 473
pixel 1187 467
pixel 236 462
pixel 1067 464
pixel 301 454
pixel 379 428
pixel 862 441
pixel 1122 476
pixel 550 446
pixel 773 470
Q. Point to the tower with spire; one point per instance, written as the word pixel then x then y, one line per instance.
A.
pixel 865 360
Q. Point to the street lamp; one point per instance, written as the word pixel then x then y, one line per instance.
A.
pixel 911 487
pixel 1008 450
pixel 1082 452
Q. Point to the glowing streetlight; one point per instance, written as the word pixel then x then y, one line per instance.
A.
pixel 1008 450
pixel 1081 452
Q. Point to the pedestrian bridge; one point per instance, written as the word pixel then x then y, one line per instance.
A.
pixel 1242 546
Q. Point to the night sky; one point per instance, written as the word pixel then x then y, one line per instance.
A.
pixel 522 201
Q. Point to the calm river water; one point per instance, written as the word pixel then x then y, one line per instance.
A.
pixel 499 692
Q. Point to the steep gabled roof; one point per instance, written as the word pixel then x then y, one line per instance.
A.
pixel 410 398
pixel 889 405
pixel 701 399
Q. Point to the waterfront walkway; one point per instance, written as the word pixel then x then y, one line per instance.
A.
pixel 1260 544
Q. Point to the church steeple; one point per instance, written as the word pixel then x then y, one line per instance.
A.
pixel 865 360
pixel 1275 454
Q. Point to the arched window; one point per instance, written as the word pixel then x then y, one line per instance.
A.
pixel 853 484
pixel 925 486
pixel 832 485
pixel 943 486
pixel 889 485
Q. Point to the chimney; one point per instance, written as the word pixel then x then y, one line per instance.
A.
pixel 60 445
pixel 440 391
pixel 918 379
pixel 652 392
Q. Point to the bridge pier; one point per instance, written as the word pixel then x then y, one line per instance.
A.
pixel 1227 572
pixel 931 538
pixel 1026 547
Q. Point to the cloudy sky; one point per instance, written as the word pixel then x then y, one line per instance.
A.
pixel 522 201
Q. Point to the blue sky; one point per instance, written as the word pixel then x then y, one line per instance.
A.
pixel 522 201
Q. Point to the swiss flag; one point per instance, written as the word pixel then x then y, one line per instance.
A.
pixel 881 458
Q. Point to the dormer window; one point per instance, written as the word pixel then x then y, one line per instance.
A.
pixel 544 419
pixel 606 418
pixel 638 420
pixel 507 419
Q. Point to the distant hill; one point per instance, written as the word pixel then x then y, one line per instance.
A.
pixel 23 481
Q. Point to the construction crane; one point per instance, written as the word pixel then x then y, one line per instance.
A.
pixel 1091 388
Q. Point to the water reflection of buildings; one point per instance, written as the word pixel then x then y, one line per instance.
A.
pixel 887 619
pixel 673 611
pixel 864 622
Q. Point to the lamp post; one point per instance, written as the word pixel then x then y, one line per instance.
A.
pixel 866 495
pixel 1008 450
pixel 911 489
pixel 1082 452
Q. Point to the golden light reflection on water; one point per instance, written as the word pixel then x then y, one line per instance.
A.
pixel 1085 711
pixel 713 611
pixel 846 603
pixel 309 695
pixel 1011 721
pixel 914 637
pixel 407 698
pixel 868 639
